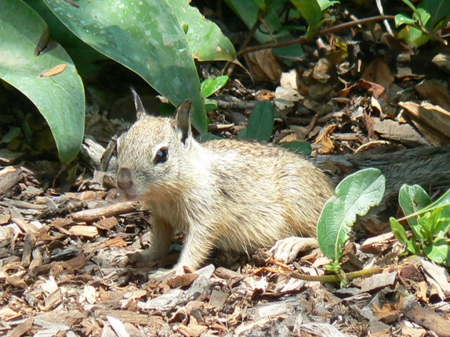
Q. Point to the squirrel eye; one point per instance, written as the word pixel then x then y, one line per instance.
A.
pixel 161 156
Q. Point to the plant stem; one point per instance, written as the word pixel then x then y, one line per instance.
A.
pixel 338 278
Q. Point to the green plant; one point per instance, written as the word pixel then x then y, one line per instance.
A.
pixel 429 223
pixel 260 126
pixel 47 76
pixel 264 15
pixel 354 195
pixel 209 87
pixel 427 19
pixel 260 123
pixel 157 39
pixel 313 11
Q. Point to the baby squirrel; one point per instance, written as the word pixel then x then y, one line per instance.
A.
pixel 230 194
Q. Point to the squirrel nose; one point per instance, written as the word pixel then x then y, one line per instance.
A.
pixel 124 181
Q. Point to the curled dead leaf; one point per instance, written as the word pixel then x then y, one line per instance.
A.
pixel 56 70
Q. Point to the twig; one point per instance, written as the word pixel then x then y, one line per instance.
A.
pixel 337 278
pixel 325 31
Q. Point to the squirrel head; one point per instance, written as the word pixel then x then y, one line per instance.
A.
pixel 153 155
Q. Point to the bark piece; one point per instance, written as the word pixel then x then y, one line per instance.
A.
pixel 403 133
pixel 378 281
pixel 426 317
pixel 8 157
pixel 9 177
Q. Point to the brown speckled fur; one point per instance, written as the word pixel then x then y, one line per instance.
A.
pixel 235 195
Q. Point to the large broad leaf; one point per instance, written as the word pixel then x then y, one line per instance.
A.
pixel 354 195
pixel 205 39
pixel 146 37
pixel 57 92
pixel 86 58
pixel 436 9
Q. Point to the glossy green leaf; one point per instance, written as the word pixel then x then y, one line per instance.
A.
pixel 210 106
pixel 58 94
pixel 412 199
pixel 403 19
pixel 437 9
pixel 402 237
pixel 443 201
pixel 212 85
pixel 313 10
pixel 422 15
pixel 302 148
pixel 86 59
pixel 354 195
pixel 310 11
pixel 439 252
pixel 261 121
pixel 145 36
pixel 205 38
pixel 325 4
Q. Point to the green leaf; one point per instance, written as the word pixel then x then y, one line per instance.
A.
pixel 439 252
pixel 443 201
pixel 207 137
pixel 261 121
pixel 86 58
pixel 212 85
pixel 205 38
pixel 248 11
pixel 354 195
pixel 413 36
pixel 436 9
pixel 425 224
pixel 325 4
pixel 443 225
pixel 59 98
pixel 412 199
pixel 242 134
pixel 210 106
pixel 260 3
pixel 302 148
pixel 312 11
pixel 403 19
pixel 146 37
pixel 422 15
pixel 402 237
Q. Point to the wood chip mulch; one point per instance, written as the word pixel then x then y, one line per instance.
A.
pixel 63 272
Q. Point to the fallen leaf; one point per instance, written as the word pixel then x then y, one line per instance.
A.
pixel 54 71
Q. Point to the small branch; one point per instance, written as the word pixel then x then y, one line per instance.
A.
pixel 338 278
pixel 325 31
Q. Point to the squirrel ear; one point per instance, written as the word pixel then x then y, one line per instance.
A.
pixel 140 110
pixel 183 120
